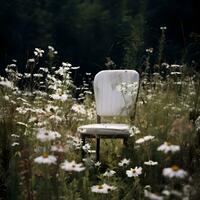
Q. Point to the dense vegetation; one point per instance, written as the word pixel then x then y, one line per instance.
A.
pixel 40 150
pixel 44 99
pixel 87 31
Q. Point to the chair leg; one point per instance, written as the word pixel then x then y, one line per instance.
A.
pixel 83 143
pixel 97 148
pixel 125 141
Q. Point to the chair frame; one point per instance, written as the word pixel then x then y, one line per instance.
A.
pixel 99 136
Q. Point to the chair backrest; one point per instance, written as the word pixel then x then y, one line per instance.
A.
pixel 116 92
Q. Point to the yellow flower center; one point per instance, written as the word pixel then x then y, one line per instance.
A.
pixel 100 187
pixel 45 155
pixel 168 143
pixel 175 168
pixel 133 170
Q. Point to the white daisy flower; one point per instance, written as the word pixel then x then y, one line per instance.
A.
pixel 51 48
pixel 66 64
pixel 134 172
pixel 167 147
pixel 79 108
pixel 38 52
pixel 55 118
pixel 51 108
pixel 151 163
pixel 124 162
pixel 144 139
pixel 57 148
pixel 14 135
pixel 7 83
pixel 134 131
pixel 109 173
pixel 75 142
pixel 7 98
pixel 104 188
pixel 74 68
pixel 46 159
pixel 72 166
pixel 15 144
pixel 163 28
pixel 86 147
pixel 97 164
pixel 152 196
pixel 174 172
pixel 46 135
pixel 62 97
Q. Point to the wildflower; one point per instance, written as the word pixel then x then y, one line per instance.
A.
pixel 144 139
pixel 62 70
pixel 150 163
pixel 51 108
pixel 44 69
pixel 109 173
pixel 80 109
pixel 167 147
pixel 152 196
pixel 55 118
pixel 72 166
pixel 134 131
pixel 87 92
pixel 86 147
pixel 14 135
pixel 51 48
pixel 38 52
pixel 57 148
pixel 46 135
pixel 74 68
pixel 134 172
pixel 149 50
pixel 104 188
pixel 97 164
pixel 174 172
pixel 64 64
pixel 124 162
pixel 46 159
pixel 163 28
pixel 176 66
pixel 166 192
pixel 6 98
pixel 75 142
pixel 176 73
pixel 6 83
pixel 62 97
pixel 15 144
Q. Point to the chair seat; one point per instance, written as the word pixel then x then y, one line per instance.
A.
pixel 105 130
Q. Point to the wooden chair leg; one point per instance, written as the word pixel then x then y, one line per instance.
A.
pixel 83 143
pixel 97 148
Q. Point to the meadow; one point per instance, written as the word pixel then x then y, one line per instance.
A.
pixel 40 150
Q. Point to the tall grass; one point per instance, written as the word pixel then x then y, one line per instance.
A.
pixel 39 116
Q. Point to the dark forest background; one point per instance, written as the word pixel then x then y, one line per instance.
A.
pixel 85 32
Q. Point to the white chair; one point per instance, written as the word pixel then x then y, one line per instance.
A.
pixel 116 94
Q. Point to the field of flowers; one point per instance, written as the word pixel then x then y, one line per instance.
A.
pixel 40 150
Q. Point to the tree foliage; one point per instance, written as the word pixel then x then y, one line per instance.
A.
pixel 87 31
